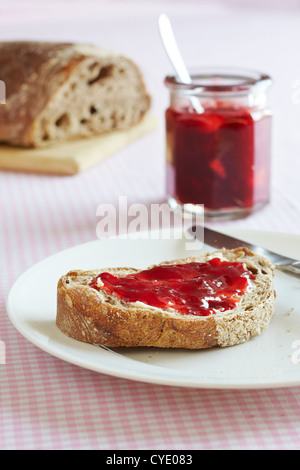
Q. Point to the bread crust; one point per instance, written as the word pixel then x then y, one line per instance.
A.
pixel 87 315
pixel 42 106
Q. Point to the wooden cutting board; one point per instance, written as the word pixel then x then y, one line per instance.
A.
pixel 72 157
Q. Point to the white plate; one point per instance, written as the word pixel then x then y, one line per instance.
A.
pixel 268 361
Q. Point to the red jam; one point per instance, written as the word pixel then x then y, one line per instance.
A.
pixel 198 289
pixel 220 158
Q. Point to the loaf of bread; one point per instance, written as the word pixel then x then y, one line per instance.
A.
pixel 96 316
pixel 58 92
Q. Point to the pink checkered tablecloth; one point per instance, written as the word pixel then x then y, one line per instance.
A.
pixel 46 403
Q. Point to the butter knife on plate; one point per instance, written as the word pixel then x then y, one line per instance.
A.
pixel 220 240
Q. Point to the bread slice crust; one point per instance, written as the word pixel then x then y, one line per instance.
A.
pixel 95 317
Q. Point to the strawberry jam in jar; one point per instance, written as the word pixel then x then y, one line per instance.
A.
pixel 218 142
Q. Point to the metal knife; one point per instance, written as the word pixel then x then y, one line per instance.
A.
pixel 219 240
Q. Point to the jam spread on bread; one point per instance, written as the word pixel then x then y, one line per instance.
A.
pixel 194 288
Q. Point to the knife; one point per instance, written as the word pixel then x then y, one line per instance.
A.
pixel 219 240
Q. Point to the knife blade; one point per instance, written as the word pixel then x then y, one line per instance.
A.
pixel 219 240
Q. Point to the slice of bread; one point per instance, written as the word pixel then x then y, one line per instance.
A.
pixel 56 92
pixel 93 316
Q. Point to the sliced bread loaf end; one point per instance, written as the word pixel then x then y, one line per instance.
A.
pixel 59 92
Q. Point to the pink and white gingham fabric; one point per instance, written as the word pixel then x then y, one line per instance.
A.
pixel 46 403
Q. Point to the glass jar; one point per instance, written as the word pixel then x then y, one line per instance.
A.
pixel 218 142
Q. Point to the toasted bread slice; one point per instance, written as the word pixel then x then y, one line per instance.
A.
pixel 95 316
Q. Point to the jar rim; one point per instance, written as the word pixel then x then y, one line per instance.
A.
pixel 231 79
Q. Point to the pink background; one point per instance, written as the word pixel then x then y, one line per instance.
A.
pixel 46 403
